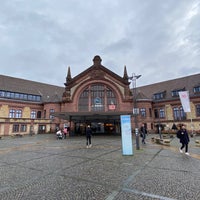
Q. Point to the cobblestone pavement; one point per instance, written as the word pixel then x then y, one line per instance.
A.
pixel 41 167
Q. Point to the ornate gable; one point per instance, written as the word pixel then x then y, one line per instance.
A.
pixel 96 72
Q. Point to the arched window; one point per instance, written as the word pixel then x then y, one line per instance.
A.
pixel 97 98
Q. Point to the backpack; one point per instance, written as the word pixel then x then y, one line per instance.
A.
pixel 178 134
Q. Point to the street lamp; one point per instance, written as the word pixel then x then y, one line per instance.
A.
pixel 133 78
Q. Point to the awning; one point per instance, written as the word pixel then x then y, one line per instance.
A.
pixel 89 115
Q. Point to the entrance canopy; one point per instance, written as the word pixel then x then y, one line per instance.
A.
pixel 93 116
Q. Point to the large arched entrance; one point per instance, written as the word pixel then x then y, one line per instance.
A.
pixel 97 106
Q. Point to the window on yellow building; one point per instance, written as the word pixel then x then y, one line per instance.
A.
pixel 12 113
pixel 16 128
pixel 33 114
pixel 179 113
pixel 198 110
pixel 23 128
pixel 18 114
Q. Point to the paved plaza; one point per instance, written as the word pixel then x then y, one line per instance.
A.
pixel 41 167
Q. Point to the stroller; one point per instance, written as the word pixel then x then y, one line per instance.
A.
pixel 59 135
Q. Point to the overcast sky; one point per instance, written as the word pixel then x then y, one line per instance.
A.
pixel 158 39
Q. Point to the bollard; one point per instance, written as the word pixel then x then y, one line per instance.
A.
pixel 137 138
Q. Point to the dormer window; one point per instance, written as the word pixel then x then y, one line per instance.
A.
pixel 21 96
pixel 175 93
pixel 196 89
pixel 159 95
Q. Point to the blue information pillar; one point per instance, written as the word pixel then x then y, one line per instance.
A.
pixel 127 146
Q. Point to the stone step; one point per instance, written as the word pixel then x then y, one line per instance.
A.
pixel 161 141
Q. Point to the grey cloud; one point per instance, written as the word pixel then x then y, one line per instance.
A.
pixel 156 38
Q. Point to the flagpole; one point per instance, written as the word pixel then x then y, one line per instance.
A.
pixel 191 123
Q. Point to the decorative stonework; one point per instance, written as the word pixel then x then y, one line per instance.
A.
pixel 97 60
pixel 66 96
pixel 96 74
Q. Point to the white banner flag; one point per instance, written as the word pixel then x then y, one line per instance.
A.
pixel 184 97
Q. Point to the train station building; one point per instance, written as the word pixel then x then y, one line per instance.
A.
pixel 96 96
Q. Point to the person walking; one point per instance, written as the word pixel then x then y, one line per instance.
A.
pixel 143 131
pixel 59 134
pixel 182 134
pixel 88 137
pixel 65 131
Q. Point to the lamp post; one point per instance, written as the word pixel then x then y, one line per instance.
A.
pixel 133 78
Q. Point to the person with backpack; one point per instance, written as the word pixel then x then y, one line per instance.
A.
pixel 183 136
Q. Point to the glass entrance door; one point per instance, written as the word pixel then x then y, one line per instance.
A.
pixel 102 127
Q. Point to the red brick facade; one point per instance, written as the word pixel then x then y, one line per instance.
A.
pixel 96 96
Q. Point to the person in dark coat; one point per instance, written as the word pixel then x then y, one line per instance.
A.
pixel 184 139
pixel 143 131
pixel 88 136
